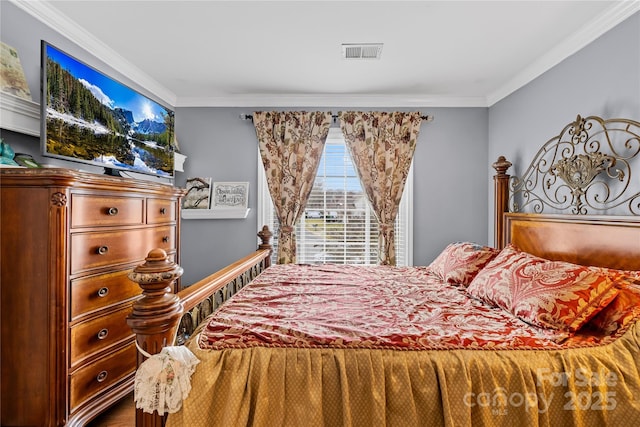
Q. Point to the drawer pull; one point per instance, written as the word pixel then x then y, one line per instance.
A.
pixel 165 239
pixel 102 292
pixel 163 211
pixel 103 333
pixel 102 250
pixel 112 211
pixel 101 376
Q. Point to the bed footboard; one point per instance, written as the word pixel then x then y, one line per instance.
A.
pixel 204 297
pixel 161 318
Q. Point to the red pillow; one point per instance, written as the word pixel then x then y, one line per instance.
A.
pixel 549 294
pixel 619 313
pixel 623 278
pixel 460 262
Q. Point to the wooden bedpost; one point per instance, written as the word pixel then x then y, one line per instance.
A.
pixel 155 316
pixel 501 199
pixel 265 236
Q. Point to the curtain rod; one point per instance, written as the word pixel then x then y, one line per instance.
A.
pixel 334 116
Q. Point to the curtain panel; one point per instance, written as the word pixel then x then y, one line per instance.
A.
pixel 291 145
pixel 382 146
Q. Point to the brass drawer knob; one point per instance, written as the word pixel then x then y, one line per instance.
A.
pixel 163 211
pixel 112 211
pixel 165 239
pixel 103 333
pixel 101 376
pixel 102 250
pixel 102 292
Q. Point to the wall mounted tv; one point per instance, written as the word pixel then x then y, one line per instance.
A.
pixel 91 118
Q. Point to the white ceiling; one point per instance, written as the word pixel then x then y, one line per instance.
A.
pixel 288 53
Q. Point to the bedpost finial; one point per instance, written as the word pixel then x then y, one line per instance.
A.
pixel 501 165
pixel 157 254
pixel 265 235
pixel 155 316
pixel 158 262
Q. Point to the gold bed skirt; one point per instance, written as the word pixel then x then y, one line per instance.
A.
pixel 268 386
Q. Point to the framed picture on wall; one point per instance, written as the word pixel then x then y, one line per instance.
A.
pixel 198 193
pixel 12 78
pixel 230 195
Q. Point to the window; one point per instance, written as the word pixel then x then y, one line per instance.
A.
pixel 338 226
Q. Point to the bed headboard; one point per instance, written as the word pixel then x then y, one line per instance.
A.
pixel 579 199
pixel 602 241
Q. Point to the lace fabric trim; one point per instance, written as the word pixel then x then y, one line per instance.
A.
pixel 163 381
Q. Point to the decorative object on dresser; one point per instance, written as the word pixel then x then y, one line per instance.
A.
pixel 26 160
pixel 68 241
pixel 7 155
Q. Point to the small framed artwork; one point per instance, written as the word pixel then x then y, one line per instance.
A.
pixel 198 193
pixel 230 195
pixel 12 78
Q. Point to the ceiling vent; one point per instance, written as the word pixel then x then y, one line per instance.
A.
pixel 361 50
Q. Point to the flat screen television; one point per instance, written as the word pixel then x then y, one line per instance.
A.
pixel 91 118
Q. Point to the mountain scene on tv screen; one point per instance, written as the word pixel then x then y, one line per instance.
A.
pixel 81 126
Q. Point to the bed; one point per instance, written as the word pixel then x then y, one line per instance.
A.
pixel 541 329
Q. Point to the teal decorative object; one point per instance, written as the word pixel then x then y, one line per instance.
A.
pixel 7 154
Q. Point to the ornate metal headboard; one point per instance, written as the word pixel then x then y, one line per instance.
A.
pixel 586 169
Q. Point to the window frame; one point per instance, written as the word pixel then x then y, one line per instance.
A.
pixel 404 244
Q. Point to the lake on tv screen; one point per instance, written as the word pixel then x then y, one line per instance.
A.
pixel 113 150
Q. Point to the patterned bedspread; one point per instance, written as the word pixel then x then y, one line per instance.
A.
pixel 369 307
pixel 329 345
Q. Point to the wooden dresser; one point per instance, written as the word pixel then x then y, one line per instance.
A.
pixel 68 240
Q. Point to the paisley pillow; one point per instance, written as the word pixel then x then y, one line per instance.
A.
pixel 459 262
pixel 549 294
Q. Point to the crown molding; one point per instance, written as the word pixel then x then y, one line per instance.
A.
pixel 591 31
pixel 342 100
pixel 50 16
pixel 19 114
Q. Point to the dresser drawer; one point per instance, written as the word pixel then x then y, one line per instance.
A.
pixel 160 211
pixel 96 292
pixel 92 379
pixel 95 210
pixel 162 237
pixel 92 250
pixel 90 337
pixel 101 249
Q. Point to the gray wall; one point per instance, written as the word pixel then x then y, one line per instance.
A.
pixel 602 79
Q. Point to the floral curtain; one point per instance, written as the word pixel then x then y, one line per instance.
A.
pixel 291 145
pixel 382 146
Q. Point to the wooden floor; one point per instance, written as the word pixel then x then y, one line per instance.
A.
pixel 122 414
